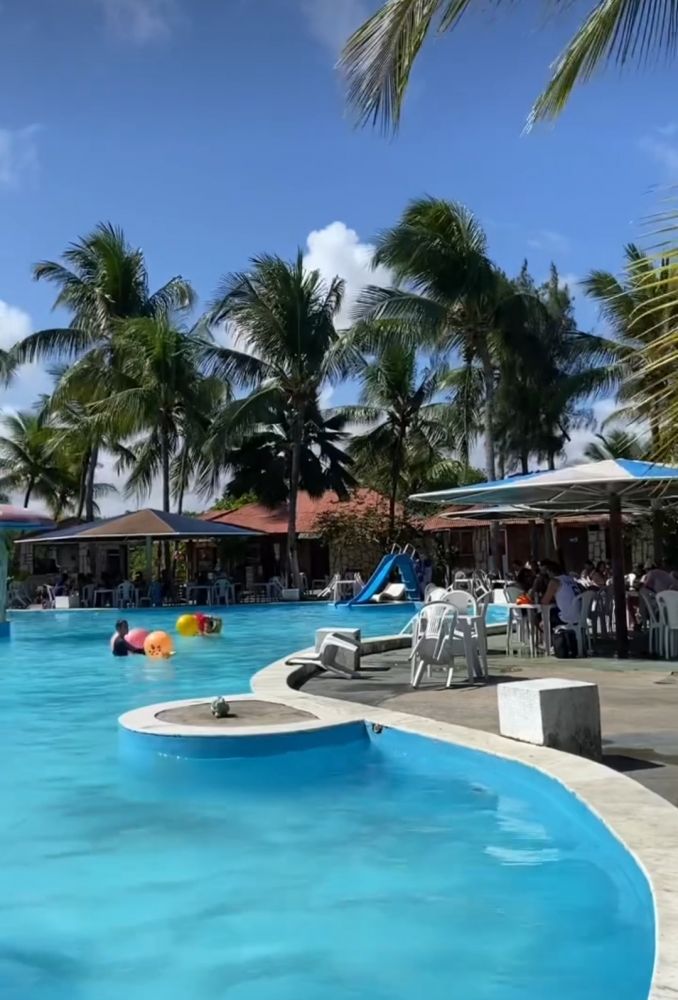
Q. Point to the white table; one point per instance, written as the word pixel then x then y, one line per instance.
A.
pixel 531 621
pixel 103 592
pixel 193 589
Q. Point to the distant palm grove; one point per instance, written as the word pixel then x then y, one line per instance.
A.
pixel 455 354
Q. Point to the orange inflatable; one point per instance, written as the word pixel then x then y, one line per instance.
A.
pixel 523 599
pixel 158 646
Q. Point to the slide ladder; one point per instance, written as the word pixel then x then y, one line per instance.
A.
pixel 397 558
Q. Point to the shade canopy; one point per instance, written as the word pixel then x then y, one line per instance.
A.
pixel 586 488
pixel 22 519
pixel 140 524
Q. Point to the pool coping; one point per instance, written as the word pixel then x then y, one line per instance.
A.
pixel 644 823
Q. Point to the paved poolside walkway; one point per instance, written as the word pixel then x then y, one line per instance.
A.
pixel 639 704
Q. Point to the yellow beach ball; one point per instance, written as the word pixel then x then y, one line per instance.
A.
pixel 187 625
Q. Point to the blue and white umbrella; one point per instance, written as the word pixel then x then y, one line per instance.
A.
pixel 586 488
pixel 592 487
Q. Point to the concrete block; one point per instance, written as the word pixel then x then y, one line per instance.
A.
pixel 290 594
pixel 552 712
pixel 352 634
pixel 65 602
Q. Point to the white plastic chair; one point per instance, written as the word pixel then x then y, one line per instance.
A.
pixel 87 595
pixel 439 635
pixel 49 598
pixel 460 581
pixel 462 600
pixel 432 642
pixel 126 594
pixel 584 610
pixel 651 618
pixel 667 602
pixel 223 592
pixel 512 592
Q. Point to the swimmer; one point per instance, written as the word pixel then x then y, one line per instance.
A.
pixel 120 645
pixel 208 624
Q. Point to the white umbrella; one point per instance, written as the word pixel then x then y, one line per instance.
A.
pixel 588 488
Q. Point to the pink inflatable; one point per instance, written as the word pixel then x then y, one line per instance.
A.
pixel 135 637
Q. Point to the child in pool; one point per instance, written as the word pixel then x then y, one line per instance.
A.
pixel 208 624
pixel 121 647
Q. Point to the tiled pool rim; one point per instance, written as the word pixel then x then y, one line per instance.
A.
pixel 645 824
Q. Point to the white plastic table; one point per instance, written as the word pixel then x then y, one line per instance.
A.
pixel 531 619
pixel 103 592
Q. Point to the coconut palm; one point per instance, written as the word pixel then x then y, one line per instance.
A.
pixel 617 443
pixel 28 461
pixel 161 398
pixel 260 464
pixel 451 297
pixel 284 317
pixel 641 309
pixel 407 429
pixel 102 280
pixel 379 56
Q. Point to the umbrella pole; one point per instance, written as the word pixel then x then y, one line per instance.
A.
pixel 618 584
pixel 4 625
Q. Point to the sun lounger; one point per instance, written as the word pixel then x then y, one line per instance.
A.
pixel 391 592
pixel 337 654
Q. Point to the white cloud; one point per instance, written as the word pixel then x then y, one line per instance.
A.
pixel 671 128
pixel 140 21
pixel 549 240
pixel 15 324
pixel 338 250
pixel 18 155
pixel 569 280
pixel 332 21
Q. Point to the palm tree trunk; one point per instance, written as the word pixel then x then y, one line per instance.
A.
pixel 552 461
pixel 89 488
pixel 82 484
pixel 29 490
pixel 524 463
pixel 165 464
pixel 490 469
pixel 488 380
pixel 295 471
pixel 396 466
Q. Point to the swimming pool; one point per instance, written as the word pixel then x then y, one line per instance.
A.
pixel 395 868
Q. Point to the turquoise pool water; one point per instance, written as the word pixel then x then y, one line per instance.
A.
pixel 391 868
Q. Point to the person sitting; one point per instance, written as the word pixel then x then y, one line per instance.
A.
pixel 560 594
pixel 657 579
pixel 120 646
pixel 524 576
pixel 62 586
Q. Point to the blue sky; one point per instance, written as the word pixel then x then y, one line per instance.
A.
pixel 215 129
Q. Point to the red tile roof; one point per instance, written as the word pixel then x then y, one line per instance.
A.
pixel 273 521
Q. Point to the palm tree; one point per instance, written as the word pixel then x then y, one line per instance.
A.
pixel 407 429
pixel 162 396
pixel 379 56
pixel 260 464
pixel 27 457
pixel 641 309
pixel 455 298
pixel 616 444
pixel 102 280
pixel 285 316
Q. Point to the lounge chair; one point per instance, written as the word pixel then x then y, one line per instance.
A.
pixel 391 592
pixel 337 655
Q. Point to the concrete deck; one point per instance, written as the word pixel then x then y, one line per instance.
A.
pixel 639 704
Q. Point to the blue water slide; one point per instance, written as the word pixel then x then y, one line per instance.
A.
pixel 379 579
